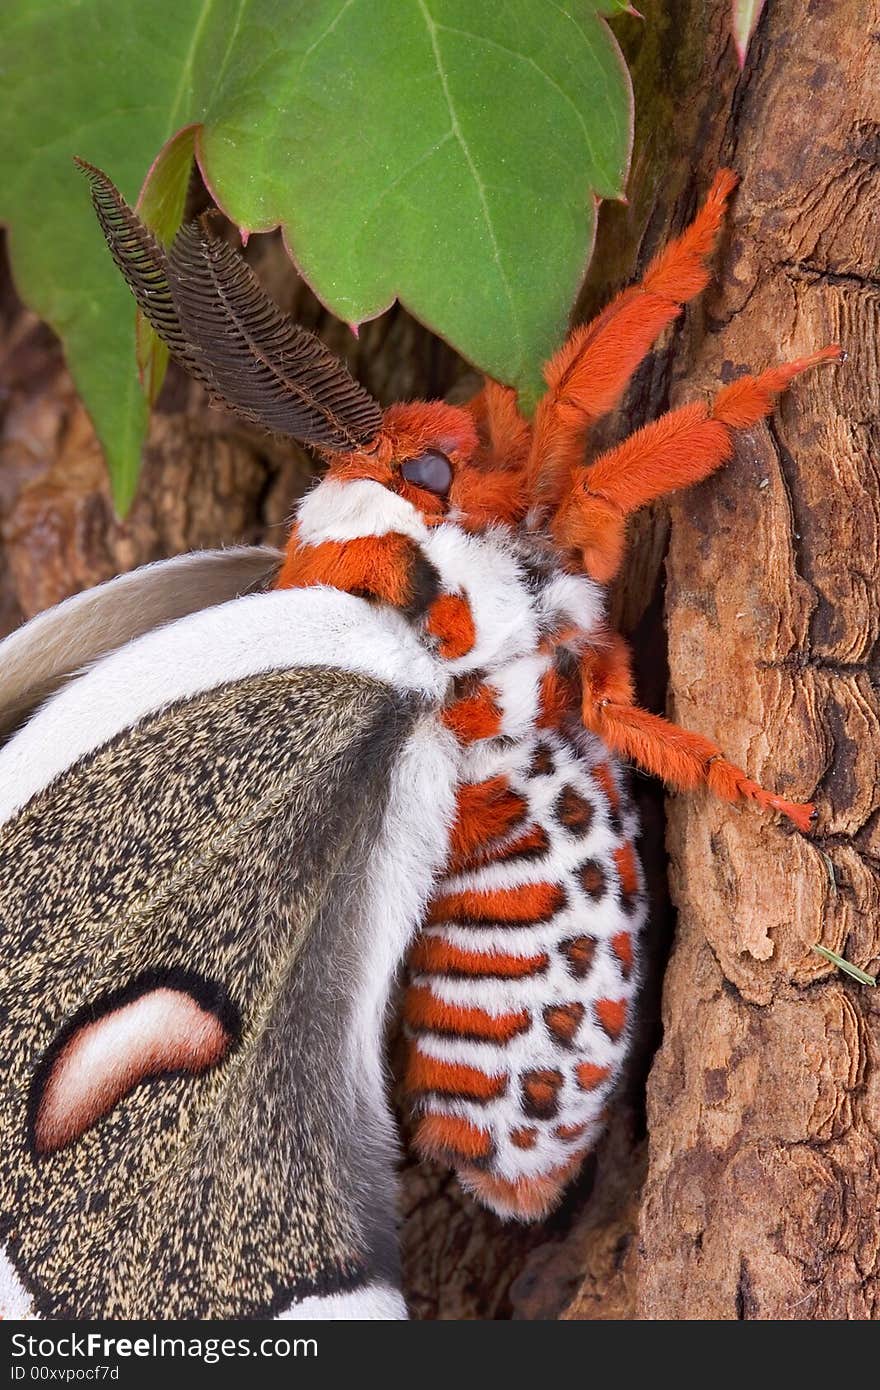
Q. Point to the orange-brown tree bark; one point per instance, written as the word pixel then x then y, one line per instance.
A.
pixel 739 1174
pixel 763 1102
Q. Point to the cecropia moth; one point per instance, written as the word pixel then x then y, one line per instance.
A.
pixel 238 790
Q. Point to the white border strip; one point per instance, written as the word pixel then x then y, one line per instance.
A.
pixel 260 632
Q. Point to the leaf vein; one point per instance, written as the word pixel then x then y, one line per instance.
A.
pixel 327 32
pixel 474 172
pixel 221 71
pixel 594 54
pixel 530 62
pixel 399 178
pixel 187 67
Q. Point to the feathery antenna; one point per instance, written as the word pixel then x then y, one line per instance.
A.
pixel 269 368
pixel 216 319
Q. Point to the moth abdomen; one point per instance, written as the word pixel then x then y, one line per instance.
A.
pixel 524 985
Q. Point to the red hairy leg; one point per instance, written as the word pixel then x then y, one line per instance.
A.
pixel 492 487
pixel 588 375
pixel 682 447
pixel 682 759
pixel 505 435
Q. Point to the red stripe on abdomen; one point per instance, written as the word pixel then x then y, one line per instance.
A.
pixel 425 1012
pixel 430 1075
pixel 435 956
pixel 509 907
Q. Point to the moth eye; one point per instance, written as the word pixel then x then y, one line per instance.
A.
pixel 431 470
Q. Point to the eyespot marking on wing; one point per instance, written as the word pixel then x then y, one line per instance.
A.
pixel 158 1026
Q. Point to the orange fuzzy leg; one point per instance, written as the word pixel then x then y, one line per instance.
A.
pixel 606 674
pixel 505 434
pixel 588 376
pixel 679 270
pixel 682 759
pixel 682 447
pixel 493 485
pixel 746 401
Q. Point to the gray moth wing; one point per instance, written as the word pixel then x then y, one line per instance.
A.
pixel 58 644
pixel 204 894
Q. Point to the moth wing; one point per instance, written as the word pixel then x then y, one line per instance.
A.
pixel 201 913
pixel 55 645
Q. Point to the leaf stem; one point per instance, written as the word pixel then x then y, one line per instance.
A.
pixel 861 975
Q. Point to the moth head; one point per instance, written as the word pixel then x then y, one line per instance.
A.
pixel 422 453
pixel 466 462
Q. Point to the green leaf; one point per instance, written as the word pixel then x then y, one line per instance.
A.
pixel 161 206
pixel 448 153
pixel 746 14
pixel 111 78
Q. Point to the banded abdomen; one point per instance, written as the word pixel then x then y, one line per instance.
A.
pixel 523 978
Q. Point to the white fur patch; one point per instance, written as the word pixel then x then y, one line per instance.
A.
pixel 401 875
pixel 572 598
pixel 261 632
pixel 410 852
pixel 343 511
pixel 518 687
pixel 42 653
pixel 485 569
pixel 373 1302
pixel 15 1301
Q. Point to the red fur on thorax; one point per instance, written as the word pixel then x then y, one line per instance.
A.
pixel 379 566
pixel 474 716
pixel 450 621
